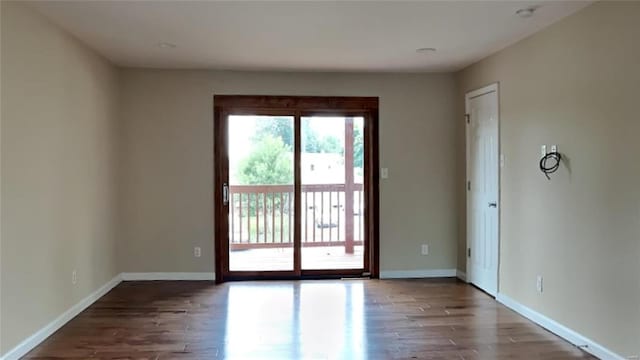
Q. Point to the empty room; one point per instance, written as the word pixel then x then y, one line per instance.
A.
pixel 319 179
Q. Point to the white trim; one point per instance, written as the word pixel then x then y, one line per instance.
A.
pixel 461 275
pixel 150 276
pixel 481 91
pixel 494 87
pixel 34 340
pixel 564 332
pixel 414 274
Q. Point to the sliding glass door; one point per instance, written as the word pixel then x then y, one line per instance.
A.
pixel 260 193
pixel 332 164
pixel 295 188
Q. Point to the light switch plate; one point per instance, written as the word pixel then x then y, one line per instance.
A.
pixel 539 284
pixel 384 173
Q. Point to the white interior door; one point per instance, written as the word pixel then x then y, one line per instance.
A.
pixel 483 188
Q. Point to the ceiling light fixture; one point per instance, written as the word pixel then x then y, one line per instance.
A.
pixel 526 12
pixel 426 50
pixel 166 45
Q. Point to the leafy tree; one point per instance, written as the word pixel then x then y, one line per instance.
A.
pixel 358 147
pixel 281 127
pixel 278 127
pixel 331 145
pixel 310 141
pixel 269 163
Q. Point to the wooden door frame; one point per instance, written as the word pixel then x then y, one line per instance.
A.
pixel 298 106
pixel 494 87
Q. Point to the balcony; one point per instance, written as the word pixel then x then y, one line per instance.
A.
pixel 261 227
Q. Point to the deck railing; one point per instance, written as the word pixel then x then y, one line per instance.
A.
pixel 263 216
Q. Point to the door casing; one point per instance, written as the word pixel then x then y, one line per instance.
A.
pixel 298 106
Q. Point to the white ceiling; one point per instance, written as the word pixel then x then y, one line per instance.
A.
pixel 303 35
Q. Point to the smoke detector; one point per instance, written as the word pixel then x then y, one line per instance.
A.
pixel 526 12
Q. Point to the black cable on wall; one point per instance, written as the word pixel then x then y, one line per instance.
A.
pixel 550 163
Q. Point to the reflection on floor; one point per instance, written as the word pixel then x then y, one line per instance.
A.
pixel 333 319
pixel 313 258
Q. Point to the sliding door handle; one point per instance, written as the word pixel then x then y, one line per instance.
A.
pixel 225 194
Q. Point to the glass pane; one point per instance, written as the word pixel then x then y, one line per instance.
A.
pixel 261 205
pixel 332 195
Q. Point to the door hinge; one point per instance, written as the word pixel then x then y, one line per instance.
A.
pixel 467 117
pixel 469 185
pixel 469 252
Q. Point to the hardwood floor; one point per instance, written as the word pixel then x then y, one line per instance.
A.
pixel 332 319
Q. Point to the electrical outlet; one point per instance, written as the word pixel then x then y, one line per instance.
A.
pixel 74 277
pixel 501 160
pixel 554 148
pixel 384 173
pixel 425 249
pixel 543 150
pixel 539 284
pixel 197 252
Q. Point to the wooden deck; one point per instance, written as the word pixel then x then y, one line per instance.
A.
pixel 313 258
pixel 351 319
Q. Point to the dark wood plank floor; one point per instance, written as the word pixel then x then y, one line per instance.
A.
pixel 333 319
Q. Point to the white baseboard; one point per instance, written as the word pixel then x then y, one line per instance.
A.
pixel 34 340
pixel 416 274
pixel 461 275
pixel 149 276
pixel 564 332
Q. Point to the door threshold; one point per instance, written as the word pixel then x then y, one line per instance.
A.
pixel 356 278
pixel 295 278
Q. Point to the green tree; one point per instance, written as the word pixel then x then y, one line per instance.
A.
pixel 331 145
pixel 278 127
pixel 358 147
pixel 311 143
pixel 269 163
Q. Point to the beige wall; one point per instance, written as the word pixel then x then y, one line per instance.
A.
pixel 168 167
pixel 575 84
pixel 58 151
pixel 73 173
